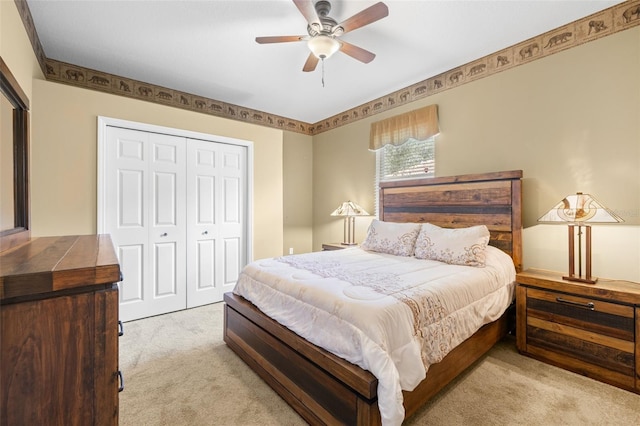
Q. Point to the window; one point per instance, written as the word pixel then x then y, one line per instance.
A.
pixel 405 145
pixel 413 159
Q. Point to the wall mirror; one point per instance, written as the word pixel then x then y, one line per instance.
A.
pixel 14 161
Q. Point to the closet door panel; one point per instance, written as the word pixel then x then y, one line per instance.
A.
pixel 205 199
pixel 165 259
pixel 130 203
pixel 176 209
pixel 132 262
pixel 205 268
pixel 232 229
pixel 167 231
pixel 203 244
pixel 126 183
pixel 232 261
pixel 232 201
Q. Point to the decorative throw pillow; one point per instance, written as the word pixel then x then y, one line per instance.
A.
pixel 459 246
pixel 391 238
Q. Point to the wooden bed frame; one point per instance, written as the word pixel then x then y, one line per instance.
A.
pixel 326 389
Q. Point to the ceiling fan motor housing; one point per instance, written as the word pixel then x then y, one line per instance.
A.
pixel 329 25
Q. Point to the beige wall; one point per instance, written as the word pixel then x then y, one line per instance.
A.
pixel 64 142
pixel 343 170
pixel 64 159
pixel 570 121
pixel 297 191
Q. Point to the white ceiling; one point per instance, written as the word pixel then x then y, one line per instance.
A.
pixel 208 48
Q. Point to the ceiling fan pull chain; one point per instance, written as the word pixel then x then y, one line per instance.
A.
pixel 322 72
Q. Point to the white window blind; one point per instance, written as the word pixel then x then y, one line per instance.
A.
pixel 413 159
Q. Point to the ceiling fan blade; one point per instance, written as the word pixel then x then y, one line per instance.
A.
pixel 365 17
pixel 278 39
pixel 357 52
pixel 308 10
pixel 311 64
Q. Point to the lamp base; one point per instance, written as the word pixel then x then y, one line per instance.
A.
pixel 349 231
pixel 349 244
pixel 586 280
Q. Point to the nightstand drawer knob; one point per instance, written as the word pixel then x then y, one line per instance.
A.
pixel 589 305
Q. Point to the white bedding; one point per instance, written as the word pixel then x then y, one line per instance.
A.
pixel 393 316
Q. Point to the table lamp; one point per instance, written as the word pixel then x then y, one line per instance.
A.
pixel 580 211
pixel 349 210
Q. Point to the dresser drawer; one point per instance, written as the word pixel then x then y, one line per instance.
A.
pixel 587 335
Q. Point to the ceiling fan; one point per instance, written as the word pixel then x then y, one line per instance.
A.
pixel 324 32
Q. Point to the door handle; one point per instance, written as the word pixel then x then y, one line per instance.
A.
pixel 164 234
pixel 205 232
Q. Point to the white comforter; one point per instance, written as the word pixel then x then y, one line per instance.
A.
pixel 393 316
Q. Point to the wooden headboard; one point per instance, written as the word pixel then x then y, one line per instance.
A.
pixel 492 199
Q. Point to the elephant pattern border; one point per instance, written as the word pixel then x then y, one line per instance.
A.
pixel 609 21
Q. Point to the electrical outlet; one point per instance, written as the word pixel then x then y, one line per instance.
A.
pixel 290 250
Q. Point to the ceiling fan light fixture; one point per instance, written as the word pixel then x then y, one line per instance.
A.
pixel 323 46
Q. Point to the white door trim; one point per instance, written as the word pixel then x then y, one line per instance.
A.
pixel 104 122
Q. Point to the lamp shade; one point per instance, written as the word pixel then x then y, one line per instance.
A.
pixel 349 208
pixel 580 208
pixel 323 46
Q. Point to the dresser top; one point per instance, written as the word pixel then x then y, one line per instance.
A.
pixel 50 264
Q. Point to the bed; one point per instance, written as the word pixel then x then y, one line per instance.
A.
pixel 326 389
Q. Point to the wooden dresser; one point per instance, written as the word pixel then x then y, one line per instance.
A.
pixel 591 329
pixel 59 332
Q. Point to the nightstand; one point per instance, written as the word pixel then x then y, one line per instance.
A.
pixel 335 246
pixel 590 329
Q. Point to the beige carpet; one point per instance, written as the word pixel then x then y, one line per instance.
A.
pixel 178 371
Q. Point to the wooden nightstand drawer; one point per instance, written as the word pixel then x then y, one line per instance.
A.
pixel 588 329
pixel 583 331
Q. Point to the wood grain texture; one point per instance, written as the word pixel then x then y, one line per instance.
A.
pixel 55 263
pixel 493 199
pixel 59 332
pixel 605 289
pixel 45 364
pixel 59 360
pixel 591 329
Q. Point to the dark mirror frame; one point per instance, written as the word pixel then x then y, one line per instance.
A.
pixel 11 90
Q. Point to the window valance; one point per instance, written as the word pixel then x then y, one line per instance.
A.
pixel 417 124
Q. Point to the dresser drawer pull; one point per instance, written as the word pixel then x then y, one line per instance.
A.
pixel 120 328
pixel 589 305
pixel 121 379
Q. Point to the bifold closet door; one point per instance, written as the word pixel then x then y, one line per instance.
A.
pixel 216 219
pixel 146 217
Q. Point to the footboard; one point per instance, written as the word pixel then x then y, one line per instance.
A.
pixel 326 389
pixel 321 387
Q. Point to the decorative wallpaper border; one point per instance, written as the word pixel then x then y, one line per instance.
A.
pixel 29 26
pixel 104 82
pixel 609 21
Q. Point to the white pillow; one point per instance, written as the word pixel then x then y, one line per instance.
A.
pixel 459 246
pixel 391 238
